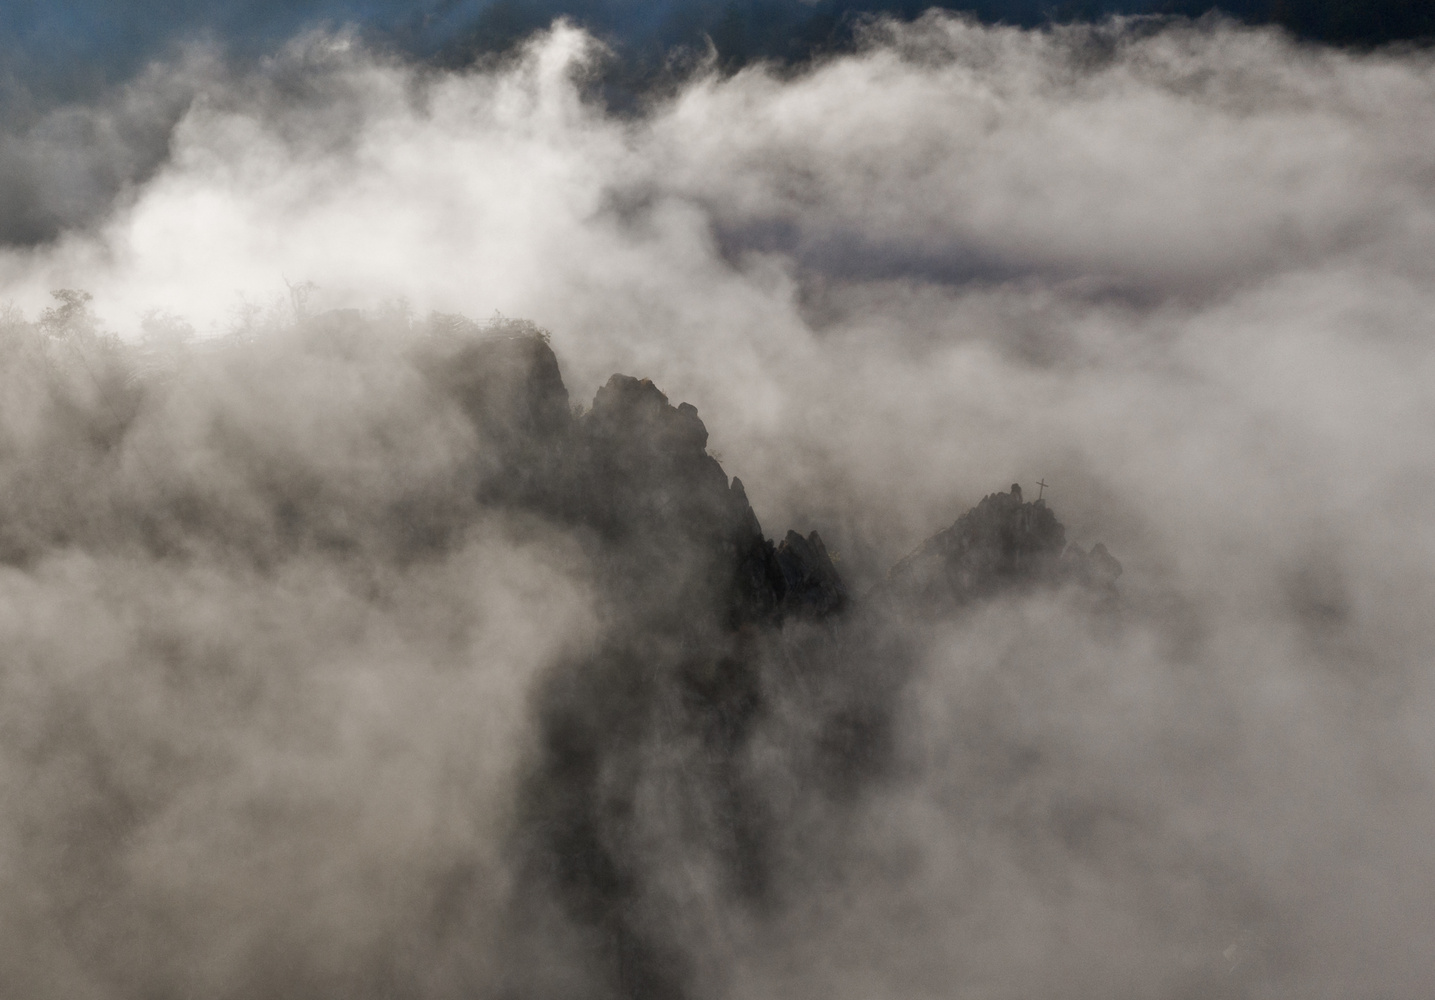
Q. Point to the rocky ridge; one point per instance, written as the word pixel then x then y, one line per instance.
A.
pixel 635 470
pixel 711 623
pixel 1001 543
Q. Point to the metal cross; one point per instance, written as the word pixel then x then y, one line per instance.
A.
pixel 1041 488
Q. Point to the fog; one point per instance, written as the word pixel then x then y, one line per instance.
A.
pixel 298 636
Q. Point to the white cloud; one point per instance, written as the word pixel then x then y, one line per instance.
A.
pixel 1184 275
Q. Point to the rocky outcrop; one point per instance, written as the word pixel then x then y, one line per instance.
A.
pixel 1096 570
pixel 812 587
pixel 1000 544
pixel 696 649
pixel 641 468
pixel 634 469
pixel 712 723
pixel 648 468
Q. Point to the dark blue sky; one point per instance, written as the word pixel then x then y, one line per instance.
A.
pixel 76 45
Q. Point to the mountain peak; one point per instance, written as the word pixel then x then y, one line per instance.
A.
pixel 1003 542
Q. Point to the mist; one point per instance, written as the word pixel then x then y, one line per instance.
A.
pixel 364 636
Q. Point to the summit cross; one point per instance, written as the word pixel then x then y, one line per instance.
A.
pixel 1041 488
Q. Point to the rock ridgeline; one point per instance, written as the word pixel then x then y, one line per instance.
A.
pixel 635 469
pixel 693 655
pixel 1001 543
pixel 684 755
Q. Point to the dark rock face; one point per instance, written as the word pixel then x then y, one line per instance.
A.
pixel 643 470
pixel 634 470
pixel 708 621
pixel 511 390
pixel 688 767
pixel 641 478
pixel 999 544
pixel 694 594
pixel 647 464
pixel 812 586
pixel 1096 570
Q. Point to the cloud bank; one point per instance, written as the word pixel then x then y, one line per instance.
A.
pixel 261 737
pixel 90 93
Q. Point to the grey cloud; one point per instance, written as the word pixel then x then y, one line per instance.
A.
pixel 1022 153
pixel 64 165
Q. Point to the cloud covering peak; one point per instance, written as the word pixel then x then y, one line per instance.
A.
pixel 293 704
